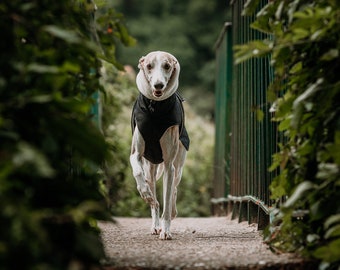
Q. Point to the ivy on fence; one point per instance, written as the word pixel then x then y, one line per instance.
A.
pixel 304 51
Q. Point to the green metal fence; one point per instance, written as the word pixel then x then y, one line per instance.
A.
pixel 246 138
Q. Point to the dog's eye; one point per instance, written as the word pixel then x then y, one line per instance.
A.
pixel 149 66
pixel 166 66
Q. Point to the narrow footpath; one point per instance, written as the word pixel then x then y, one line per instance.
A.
pixel 198 243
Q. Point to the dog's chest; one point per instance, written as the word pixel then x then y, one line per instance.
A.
pixel 153 118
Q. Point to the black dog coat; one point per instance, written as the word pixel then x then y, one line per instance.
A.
pixel 153 118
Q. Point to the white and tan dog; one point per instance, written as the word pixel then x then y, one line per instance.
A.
pixel 160 140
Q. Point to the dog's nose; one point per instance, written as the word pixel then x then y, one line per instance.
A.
pixel 159 86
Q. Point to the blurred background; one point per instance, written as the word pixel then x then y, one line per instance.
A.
pixel 188 30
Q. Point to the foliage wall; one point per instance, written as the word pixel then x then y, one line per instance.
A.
pixel 50 151
pixel 306 91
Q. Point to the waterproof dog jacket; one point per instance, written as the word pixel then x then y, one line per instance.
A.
pixel 153 118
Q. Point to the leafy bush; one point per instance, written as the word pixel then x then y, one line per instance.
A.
pixel 117 105
pixel 306 90
pixel 50 151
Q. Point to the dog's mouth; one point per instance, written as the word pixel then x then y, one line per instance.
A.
pixel 158 93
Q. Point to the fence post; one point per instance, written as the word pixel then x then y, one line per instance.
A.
pixel 223 47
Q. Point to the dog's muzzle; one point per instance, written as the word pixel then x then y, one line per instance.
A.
pixel 158 87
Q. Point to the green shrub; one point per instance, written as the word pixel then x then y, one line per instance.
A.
pixel 50 151
pixel 306 88
pixel 118 100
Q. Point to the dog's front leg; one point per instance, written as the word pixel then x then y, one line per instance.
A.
pixel 150 171
pixel 137 150
pixel 169 145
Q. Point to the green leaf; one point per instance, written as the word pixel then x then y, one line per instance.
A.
pixel 298 104
pixel 41 99
pixel 296 68
pixel 280 185
pixel 284 125
pixel 318 34
pixel 333 232
pixel 112 61
pixel 39 68
pixel 27 155
pixel 312 238
pixel 250 6
pixel 297 115
pixel 82 212
pixel 67 35
pixel 279 161
pixel 259 115
pixel 329 253
pixel 70 67
pixel 334 219
pixel 327 170
pixel 257 25
pixel 299 193
pixel 300 33
pixel 256 48
pixel 330 55
pixel 124 35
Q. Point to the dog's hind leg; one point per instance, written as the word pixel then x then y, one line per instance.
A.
pixel 136 160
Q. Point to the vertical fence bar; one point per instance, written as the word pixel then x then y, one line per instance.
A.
pixel 222 166
pixel 219 168
pixel 234 114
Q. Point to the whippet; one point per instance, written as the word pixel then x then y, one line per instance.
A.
pixel 160 140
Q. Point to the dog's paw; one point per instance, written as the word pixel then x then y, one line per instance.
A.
pixel 156 230
pixel 145 193
pixel 165 236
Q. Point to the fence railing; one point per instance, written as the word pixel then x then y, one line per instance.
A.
pixel 246 138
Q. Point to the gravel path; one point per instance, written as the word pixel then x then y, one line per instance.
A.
pixel 198 243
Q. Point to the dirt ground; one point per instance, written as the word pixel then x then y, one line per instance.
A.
pixel 198 243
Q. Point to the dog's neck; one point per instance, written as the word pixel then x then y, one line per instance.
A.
pixel 151 103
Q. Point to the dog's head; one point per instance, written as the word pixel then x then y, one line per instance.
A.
pixel 158 75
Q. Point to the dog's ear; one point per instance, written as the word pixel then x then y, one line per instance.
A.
pixel 174 63
pixel 140 63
